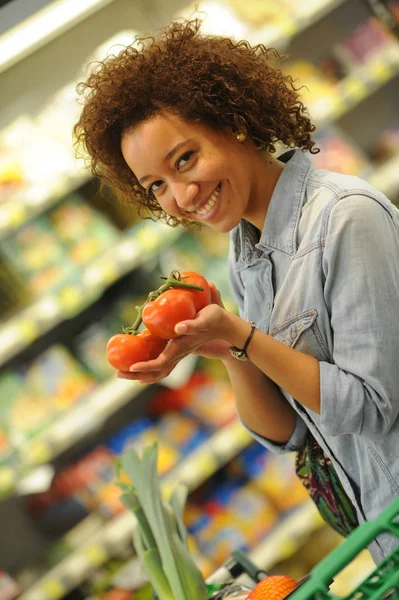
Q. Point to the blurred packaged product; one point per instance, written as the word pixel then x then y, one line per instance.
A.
pixel 204 397
pixel 279 482
pixel 140 433
pixel 24 413
pixel 217 536
pixel 34 162
pixel 36 254
pixel 387 146
pixel 85 232
pixel 11 174
pixel 57 378
pixel 259 12
pixel 340 154
pixel 90 347
pixel 272 474
pixel 14 293
pixel 206 564
pixel 85 486
pixel 50 251
pixel 181 431
pixel 317 91
pixel 369 40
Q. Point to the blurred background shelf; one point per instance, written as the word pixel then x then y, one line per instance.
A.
pixel 65 289
pixel 192 471
pixel 47 312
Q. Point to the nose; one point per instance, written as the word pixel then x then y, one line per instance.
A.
pixel 184 194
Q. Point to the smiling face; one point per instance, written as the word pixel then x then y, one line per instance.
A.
pixel 196 172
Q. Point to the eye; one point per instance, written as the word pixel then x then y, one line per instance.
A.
pixel 183 160
pixel 154 187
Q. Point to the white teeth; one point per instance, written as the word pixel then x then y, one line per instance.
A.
pixel 210 204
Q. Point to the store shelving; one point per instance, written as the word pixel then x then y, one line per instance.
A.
pixel 42 27
pixel 82 420
pixel 352 90
pixel 282 543
pixel 386 177
pixel 22 207
pixel 278 34
pixel 196 468
pixel 356 87
pixel 48 311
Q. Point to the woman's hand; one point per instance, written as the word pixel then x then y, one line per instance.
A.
pixel 202 335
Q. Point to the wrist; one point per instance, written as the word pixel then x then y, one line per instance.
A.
pixel 236 330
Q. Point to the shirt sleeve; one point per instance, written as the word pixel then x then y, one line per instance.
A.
pixel 295 443
pixel 360 391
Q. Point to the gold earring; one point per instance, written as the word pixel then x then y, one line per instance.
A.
pixel 241 136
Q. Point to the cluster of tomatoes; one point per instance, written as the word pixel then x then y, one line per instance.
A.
pixel 159 315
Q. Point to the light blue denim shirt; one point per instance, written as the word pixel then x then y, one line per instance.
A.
pixel 324 279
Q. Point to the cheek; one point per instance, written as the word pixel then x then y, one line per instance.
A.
pixel 167 204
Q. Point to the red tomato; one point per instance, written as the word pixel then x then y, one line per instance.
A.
pixel 155 344
pixel 125 349
pixel 161 315
pixel 199 298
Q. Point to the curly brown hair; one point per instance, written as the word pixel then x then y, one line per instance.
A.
pixel 208 79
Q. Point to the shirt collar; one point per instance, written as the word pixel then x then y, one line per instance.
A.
pixel 280 228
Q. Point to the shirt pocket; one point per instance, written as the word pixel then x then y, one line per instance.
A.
pixel 302 333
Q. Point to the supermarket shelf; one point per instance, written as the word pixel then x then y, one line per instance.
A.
pixel 283 542
pixel 386 177
pixel 356 87
pixel 47 312
pixel 351 91
pixel 80 421
pixel 192 471
pixel 42 27
pixel 289 537
pixel 279 34
pixel 24 206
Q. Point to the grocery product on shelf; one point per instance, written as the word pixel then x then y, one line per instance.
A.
pixel 338 153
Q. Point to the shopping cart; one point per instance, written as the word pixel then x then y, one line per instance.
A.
pixel 382 583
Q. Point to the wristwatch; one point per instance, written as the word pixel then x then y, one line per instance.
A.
pixel 241 353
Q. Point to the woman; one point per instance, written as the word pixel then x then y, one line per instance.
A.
pixel 186 127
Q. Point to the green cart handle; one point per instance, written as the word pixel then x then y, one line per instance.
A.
pixel 386 574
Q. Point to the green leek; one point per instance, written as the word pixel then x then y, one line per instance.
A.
pixel 159 537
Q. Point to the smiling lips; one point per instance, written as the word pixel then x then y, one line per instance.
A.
pixel 202 212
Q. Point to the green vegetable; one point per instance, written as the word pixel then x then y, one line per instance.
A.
pixel 159 535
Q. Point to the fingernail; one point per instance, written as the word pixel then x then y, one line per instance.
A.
pixel 180 328
pixel 133 369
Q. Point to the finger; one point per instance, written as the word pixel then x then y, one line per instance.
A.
pixel 169 356
pixel 216 298
pixel 197 325
pixel 126 375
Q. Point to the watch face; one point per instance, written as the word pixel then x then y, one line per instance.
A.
pixel 238 353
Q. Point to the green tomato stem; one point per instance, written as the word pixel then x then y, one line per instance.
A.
pixel 173 281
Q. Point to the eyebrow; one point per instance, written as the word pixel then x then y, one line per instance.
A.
pixel 169 155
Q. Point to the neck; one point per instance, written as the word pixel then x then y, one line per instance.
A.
pixel 267 172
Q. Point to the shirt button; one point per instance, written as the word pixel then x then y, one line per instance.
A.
pixel 268 305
